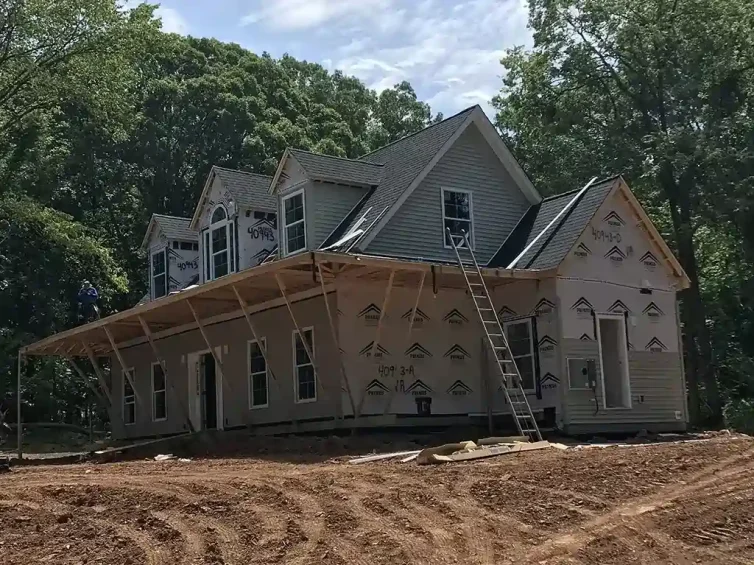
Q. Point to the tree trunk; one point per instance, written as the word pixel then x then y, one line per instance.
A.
pixel 701 366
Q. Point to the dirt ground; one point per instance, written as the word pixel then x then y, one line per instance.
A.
pixel 662 503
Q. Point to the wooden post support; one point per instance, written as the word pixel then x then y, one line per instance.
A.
pixel 98 372
pixel 80 373
pixel 392 391
pixel 336 340
pixel 161 361
pixel 123 367
pixel 300 333
pixel 385 302
pixel 19 421
pixel 212 351
pixel 262 346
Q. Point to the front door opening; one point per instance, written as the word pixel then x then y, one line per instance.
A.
pixel 613 346
pixel 209 392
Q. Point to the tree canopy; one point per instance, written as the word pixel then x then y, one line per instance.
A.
pixel 663 92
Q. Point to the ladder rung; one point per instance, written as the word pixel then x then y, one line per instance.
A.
pixel 475 284
pixel 529 431
pixel 490 322
pixel 510 375
pixel 480 296
pixel 498 347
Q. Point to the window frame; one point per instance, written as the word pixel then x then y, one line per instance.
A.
pixel 164 391
pixel 131 396
pixel 262 343
pixel 283 200
pixel 472 231
pixel 533 351
pixel 296 366
pixel 152 276
pixel 230 243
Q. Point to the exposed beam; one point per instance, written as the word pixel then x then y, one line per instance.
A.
pixel 385 302
pixel 123 367
pixel 98 372
pixel 281 286
pixel 88 382
pixel 161 361
pixel 218 362
pixel 392 391
pixel 336 340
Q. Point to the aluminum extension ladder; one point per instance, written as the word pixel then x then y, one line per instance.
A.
pixel 497 340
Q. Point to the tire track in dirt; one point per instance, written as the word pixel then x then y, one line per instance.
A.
pixel 195 545
pixel 575 539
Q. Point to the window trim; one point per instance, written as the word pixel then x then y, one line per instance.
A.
pixel 534 351
pixel 250 375
pixel 626 376
pixel 154 392
pixel 443 190
pixel 297 397
pixel 568 369
pixel 229 250
pixel 132 396
pixel 164 253
pixel 285 225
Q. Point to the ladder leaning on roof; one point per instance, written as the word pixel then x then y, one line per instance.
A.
pixel 496 339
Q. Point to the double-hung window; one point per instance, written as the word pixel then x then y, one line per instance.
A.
pixel 159 393
pixel 219 245
pixel 129 399
pixel 257 375
pixel 303 366
pixel 294 223
pixel 159 274
pixel 521 342
pixel 457 216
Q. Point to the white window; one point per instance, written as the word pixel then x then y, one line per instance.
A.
pixel 457 216
pixel 129 399
pixel 257 375
pixel 305 379
pixel 219 245
pixel 159 394
pixel 159 274
pixel 294 224
pixel 521 342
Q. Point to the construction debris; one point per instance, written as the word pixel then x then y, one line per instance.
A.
pixel 380 457
pixel 468 451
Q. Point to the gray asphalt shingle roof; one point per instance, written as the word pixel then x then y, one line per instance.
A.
pixel 327 167
pixel 249 190
pixel 402 162
pixel 174 227
pixel 551 249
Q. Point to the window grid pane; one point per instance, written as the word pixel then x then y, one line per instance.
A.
pixel 294 209
pixel 306 380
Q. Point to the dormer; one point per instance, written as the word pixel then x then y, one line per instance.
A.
pixel 172 254
pixel 236 221
pixel 315 193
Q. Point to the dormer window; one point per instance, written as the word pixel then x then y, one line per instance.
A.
pixel 294 223
pixel 159 274
pixel 219 245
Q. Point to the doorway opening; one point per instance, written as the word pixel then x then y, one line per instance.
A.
pixel 205 391
pixel 613 347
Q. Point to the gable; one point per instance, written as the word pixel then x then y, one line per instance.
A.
pixel 155 237
pixel 217 194
pixel 614 248
pixel 469 164
pixel 291 175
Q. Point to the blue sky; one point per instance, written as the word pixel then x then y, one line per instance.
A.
pixel 448 49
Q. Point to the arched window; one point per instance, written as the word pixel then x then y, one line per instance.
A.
pixel 219 245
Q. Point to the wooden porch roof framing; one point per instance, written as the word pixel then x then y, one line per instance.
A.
pixel 255 286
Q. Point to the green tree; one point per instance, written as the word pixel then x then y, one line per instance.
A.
pixel 661 91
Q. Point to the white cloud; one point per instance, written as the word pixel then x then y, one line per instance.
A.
pixel 172 21
pixel 288 15
pixel 448 50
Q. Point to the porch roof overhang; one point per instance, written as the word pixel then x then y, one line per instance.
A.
pixel 256 286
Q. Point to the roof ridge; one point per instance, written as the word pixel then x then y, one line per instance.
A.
pixel 575 190
pixel 337 157
pixel 469 109
pixel 243 172
pixel 156 215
